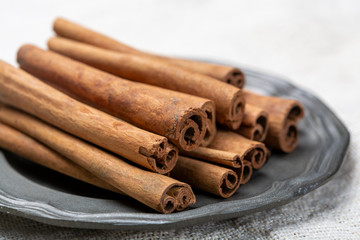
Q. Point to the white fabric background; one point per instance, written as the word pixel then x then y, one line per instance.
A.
pixel 316 44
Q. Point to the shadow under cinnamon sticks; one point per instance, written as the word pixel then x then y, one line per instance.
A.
pixel 154 190
pixel 76 32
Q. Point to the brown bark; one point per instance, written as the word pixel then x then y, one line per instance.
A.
pixel 23 91
pixel 168 113
pixel 208 177
pixel 154 190
pixel 249 150
pixel 73 31
pixel 255 123
pixel 226 158
pixel 26 147
pixel 248 171
pixel 228 99
pixel 283 117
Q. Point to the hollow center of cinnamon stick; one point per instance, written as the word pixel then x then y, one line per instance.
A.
pixel 209 115
pixel 169 206
pixel 257 135
pixel 189 135
pixel 184 199
pixel 194 132
pixel 170 156
pixel 231 179
pixel 295 112
pixel 258 157
pixel 246 172
pixel 238 108
pixel 291 135
pixel 229 183
pixel 198 121
pixel 235 78
pixel 261 121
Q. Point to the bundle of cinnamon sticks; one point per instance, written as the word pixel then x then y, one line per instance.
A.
pixel 139 124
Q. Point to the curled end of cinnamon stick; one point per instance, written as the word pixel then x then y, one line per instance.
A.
pixel 283 134
pixel 296 111
pixel 177 197
pixel 257 156
pixel 191 130
pixel 183 196
pixel 171 156
pixel 235 77
pixel 289 137
pixel 236 111
pixel 283 137
pixel 255 123
pixel 261 128
pixel 237 162
pixel 164 158
pixel 230 183
pixel 210 131
pixel 167 204
pixel 248 170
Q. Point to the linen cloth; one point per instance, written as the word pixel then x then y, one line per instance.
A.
pixel 316 44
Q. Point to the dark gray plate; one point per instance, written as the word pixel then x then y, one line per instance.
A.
pixel 37 193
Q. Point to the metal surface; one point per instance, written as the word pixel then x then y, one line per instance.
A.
pixel 40 194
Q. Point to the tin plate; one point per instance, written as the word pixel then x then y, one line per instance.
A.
pixel 37 193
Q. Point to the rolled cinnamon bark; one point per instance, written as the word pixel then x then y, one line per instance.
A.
pixel 23 91
pixel 255 123
pixel 227 74
pixel 248 170
pixel 208 177
pixel 168 113
pixel 154 190
pixel 73 31
pixel 209 109
pixel 283 117
pixel 26 147
pixel 249 150
pixel 226 158
pixel 228 99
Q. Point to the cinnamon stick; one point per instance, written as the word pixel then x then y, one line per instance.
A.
pixel 208 177
pixel 255 123
pixel 154 190
pixel 283 117
pixel 248 170
pixel 168 113
pixel 249 150
pixel 228 99
pixel 73 31
pixel 225 158
pixel 23 91
pixel 142 70
pixel 26 147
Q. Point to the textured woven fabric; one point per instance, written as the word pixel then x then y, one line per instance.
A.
pixel 316 44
